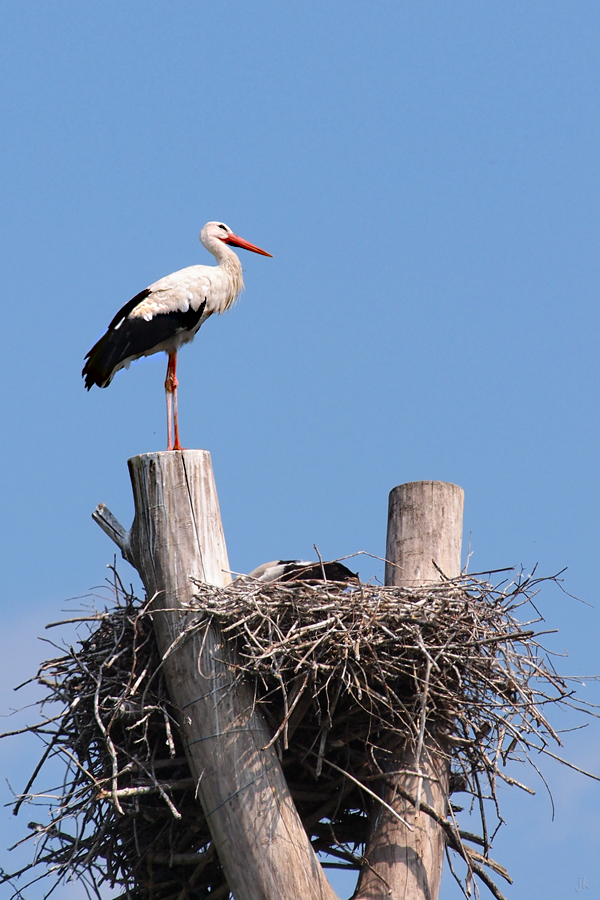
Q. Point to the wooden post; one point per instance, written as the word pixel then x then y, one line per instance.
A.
pixel 424 527
pixel 177 534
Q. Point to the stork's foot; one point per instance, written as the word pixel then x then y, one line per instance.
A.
pixel 176 445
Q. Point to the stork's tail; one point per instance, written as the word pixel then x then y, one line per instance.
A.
pixel 100 363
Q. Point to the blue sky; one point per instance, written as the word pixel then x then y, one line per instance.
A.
pixel 426 177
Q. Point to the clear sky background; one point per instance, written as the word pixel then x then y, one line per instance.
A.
pixel 426 176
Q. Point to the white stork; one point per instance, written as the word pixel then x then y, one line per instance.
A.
pixel 300 570
pixel 168 314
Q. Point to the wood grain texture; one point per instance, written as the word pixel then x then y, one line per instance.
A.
pixel 177 533
pixel 424 524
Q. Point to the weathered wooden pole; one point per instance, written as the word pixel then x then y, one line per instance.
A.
pixel 176 535
pixel 424 538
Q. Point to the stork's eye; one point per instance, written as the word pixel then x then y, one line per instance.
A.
pixel 224 227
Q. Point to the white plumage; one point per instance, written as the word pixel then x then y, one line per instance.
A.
pixel 169 313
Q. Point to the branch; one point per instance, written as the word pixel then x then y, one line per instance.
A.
pixel 103 517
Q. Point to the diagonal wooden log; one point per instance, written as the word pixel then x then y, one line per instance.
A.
pixel 177 534
pixel 424 537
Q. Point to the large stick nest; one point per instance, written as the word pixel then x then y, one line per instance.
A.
pixel 349 677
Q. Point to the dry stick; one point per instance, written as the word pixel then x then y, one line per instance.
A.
pixel 422 734
pixel 565 762
pixel 36 772
pixel 97 618
pixel 462 887
pixel 321 561
pixel 40 728
pixel 369 792
pixel 288 714
pixel 149 789
pixel 454 837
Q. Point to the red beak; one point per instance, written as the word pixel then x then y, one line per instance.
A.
pixel 236 241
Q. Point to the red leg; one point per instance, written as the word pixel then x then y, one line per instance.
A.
pixel 176 445
pixel 169 396
pixel 171 392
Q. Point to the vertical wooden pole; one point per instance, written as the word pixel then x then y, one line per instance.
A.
pixel 424 527
pixel 425 521
pixel 177 534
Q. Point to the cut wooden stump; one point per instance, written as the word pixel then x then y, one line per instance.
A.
pixel 176 536
pixel 423 545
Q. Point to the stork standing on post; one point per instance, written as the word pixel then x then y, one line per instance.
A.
pixel 168 314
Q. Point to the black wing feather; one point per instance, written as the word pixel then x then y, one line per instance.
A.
pixel 294 570
pixel 130 338
pixel 129 307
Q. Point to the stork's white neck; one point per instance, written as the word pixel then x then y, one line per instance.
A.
pixel 229 262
